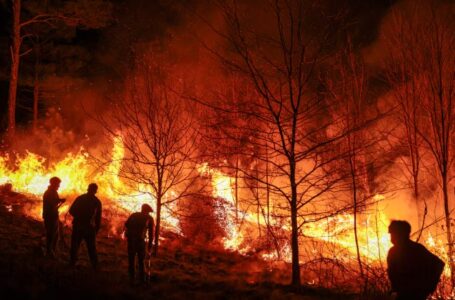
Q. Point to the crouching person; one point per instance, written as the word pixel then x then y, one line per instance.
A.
pixel 138 226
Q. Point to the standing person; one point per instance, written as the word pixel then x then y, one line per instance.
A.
pixel 51 203
pixel 413 271
pixel 138 225
pixel 86 212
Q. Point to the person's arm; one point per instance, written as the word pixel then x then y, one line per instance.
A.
pixel 54 199
pixel 45 203
pixel 98 216
pixel 60 201
pixel 74 208
pixel 126 226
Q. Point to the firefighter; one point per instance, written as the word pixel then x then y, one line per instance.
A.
pixel 86 212
pixel 51 203
pixel 413 271
pixel 138 226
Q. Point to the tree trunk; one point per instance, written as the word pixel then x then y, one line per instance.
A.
pixel 267 182
pixel 36 88
pixel 420 215
pixel 14 72
pixel 448 227
pixel 355 203
pixel 157 227
pixel 36 91
pixel 294 226
pixel 237 189
pixel 414 154
pixel 258 203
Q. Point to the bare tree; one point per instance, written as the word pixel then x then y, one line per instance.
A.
pixel 280 60
pixel 350 91
pixel 428 28
pixel 14 72
pixel 401 67
pixel 92 14
pixel 159 135
pixel 438 42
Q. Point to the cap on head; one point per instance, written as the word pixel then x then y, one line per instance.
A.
pixel 400 229
pixel 145 208
pixel 54 181
pixel 92 188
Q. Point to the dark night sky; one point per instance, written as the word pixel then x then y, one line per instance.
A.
pixel 105 51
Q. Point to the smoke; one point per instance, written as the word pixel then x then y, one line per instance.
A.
pixel 403 28
pixel 413 11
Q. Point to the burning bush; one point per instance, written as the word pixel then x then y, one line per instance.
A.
pixel 200 220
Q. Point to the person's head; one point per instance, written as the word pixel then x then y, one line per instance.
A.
pixel 399 231
pixel 54 183
pixel 92 188
pixel 146 209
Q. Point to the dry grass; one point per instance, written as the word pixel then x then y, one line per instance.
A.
pixel 182 270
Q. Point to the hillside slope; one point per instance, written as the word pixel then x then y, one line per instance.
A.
pixel 181 271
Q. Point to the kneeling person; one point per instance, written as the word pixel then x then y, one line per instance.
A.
pixel 138 225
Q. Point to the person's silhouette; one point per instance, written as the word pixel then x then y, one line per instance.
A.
pixel 413 271
pixel 86 212
pixel 51 203
pixel 138 226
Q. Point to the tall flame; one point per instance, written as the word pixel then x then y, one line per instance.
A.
pixel 222 188
pixel 29 174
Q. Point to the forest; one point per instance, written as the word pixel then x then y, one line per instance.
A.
pixel 275 141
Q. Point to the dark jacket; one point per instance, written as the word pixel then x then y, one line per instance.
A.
pixel 138 224
pixel 51 203
pixel 412 269
pixel 86 212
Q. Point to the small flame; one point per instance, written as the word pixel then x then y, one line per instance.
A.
pixel 222 188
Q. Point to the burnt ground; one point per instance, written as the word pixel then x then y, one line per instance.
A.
pixel 181 271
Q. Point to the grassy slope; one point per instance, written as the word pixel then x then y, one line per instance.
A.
pixel 180 272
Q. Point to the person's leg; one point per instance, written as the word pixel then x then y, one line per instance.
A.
pixel 51 229
pixel 76 239
pixel 48 235
pixel 55 236
pixel 140 257
pixel 90 240
pixel 131 258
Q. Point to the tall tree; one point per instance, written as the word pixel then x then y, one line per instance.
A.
pixel 159 134
pixel 91 14
pixel 280 60
pixel 401 68
pixel 350 91
pixel 429 28
pixel 348 85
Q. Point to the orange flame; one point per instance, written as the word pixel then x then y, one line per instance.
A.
pixel 222 188
pixel 30 176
